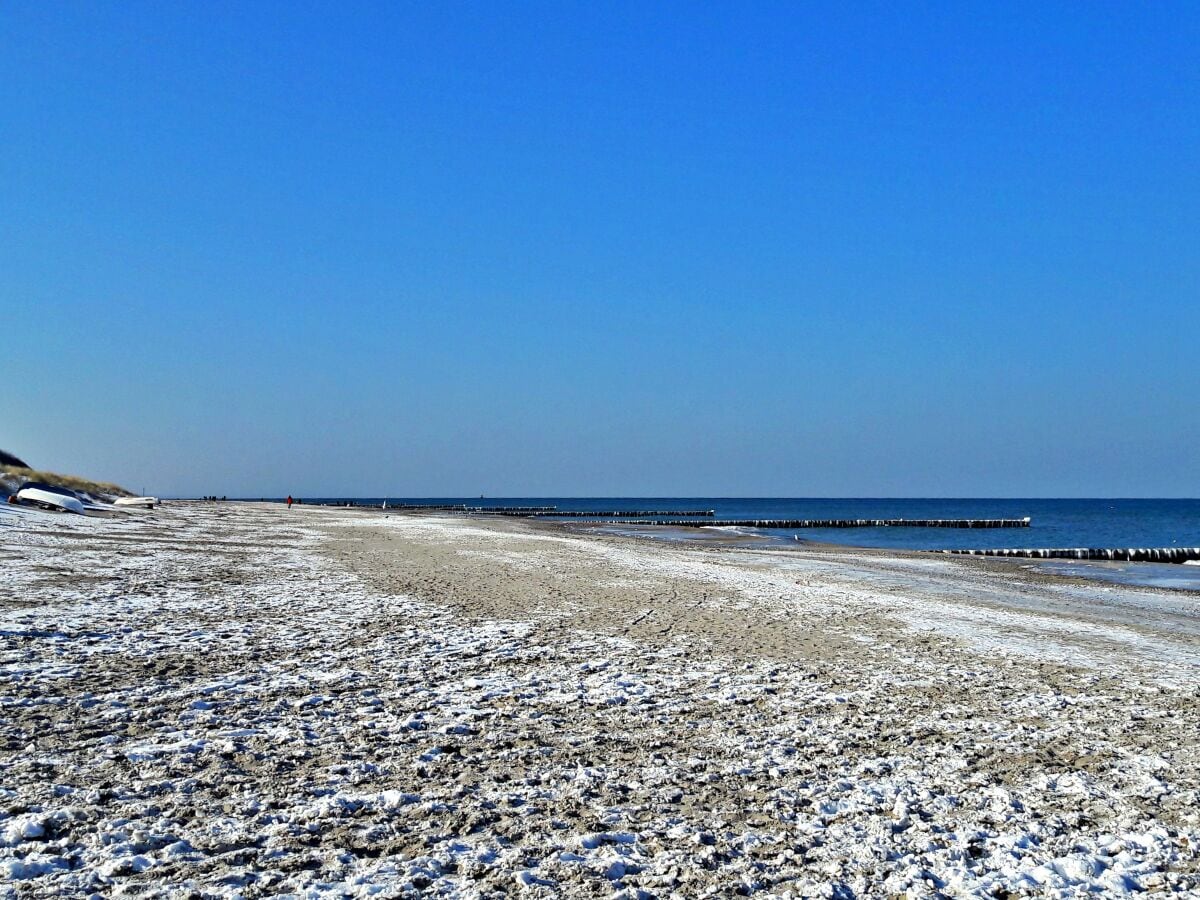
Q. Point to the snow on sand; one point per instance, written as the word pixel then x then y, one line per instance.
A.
pixel 204 701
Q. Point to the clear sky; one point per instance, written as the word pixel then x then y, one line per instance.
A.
pixel 603 249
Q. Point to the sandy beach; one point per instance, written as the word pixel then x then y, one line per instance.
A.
pixel 227 699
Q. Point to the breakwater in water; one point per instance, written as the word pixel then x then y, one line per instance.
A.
pixel 621 513
pixel 833 523
pixel 510 510
pixel 384 504
pixel 1131 554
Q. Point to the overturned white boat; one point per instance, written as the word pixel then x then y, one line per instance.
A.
pixel 50 499
pixel 148 502
pixel 94 505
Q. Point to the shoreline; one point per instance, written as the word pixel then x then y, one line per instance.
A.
pixel 1141 574
pixel 1031 569
pixel 1007 584
pixel 246 700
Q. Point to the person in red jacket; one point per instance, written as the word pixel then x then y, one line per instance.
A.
pixel 289 501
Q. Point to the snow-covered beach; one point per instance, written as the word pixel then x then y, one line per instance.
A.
pixel 238 700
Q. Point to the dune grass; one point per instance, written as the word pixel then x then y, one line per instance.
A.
pixel 15 476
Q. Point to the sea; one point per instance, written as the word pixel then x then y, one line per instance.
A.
pixel 1094 523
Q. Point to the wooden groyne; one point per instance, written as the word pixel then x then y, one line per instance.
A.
pixel 1132 554
pixel 832 523
pixel 510 510
pixel 453 506
pixel 627 513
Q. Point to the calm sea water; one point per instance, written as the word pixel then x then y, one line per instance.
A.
pixel 1055 523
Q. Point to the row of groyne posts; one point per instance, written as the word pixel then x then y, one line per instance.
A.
pixel 1130 554
pixel 701 518
pixel 705 518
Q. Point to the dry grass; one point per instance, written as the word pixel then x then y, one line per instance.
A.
pixel 15 476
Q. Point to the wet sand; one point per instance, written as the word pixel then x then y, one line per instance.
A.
pixel 231 699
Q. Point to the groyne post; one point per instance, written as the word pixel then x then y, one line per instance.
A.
pixel 831 523
pixel 1111 554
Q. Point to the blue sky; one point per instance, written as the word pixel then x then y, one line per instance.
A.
pixel 603 249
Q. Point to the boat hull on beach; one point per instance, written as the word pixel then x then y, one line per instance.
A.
pixel 50 500
pixel 148 502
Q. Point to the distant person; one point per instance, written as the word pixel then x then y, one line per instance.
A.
pixel 289 501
